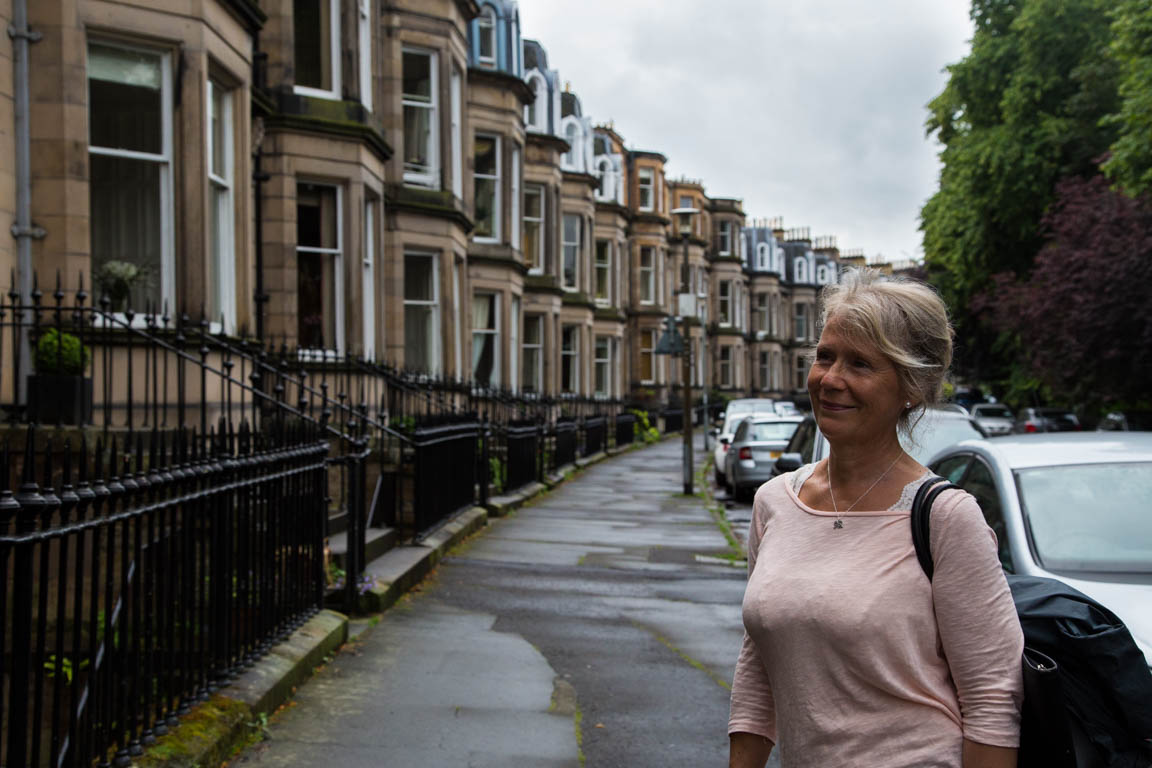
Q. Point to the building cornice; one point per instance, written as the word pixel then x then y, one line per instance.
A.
pixel 579 177
pixel 647 153
pixel 426 202
pixel 613 207
pixel 646 312
pixel 498 260
pixel 577 299
pixel 502 81
pixel 326 117
pixel 650 217
pixel 610 313
pixel 547 140
pixel 542 284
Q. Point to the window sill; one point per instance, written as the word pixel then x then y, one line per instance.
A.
pixel 316 93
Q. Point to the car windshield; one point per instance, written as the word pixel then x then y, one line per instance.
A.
pixel 732 423
pixel 934 433
pixel 993 411
pixel 772 430
pixel 748 406
pixel 1055 413
pixel 1091 517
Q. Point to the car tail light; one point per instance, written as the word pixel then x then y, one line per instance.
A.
pixel 1029 427
pixel 746 453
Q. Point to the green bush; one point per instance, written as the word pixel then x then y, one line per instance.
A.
pixel 61 354
pixel 642 429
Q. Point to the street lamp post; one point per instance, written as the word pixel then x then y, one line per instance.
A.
pixel 686 308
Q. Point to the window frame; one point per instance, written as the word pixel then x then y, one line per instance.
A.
pixel 223 245
pixel 537 189
pixel 725 360
pixel 647 276
pixel 602 364
pixel 724 303
pixel 335 93
pixel 337 265
pixel 165 160
pixel 455 95
pixel 602 271
pixel 496 179
pixel 725 244
pixel 535 112
pixel 570 357
pixel 514 197
pixel 800 321
pixel 486 21
pixel 368 277
pixel 641 187
pixel 495 379
pixel 429 178
pixel 649 351
pixel 576 246
pixel 364 38
pixel 432 304
pixel 537 386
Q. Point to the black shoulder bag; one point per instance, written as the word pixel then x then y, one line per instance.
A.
pixel 1045 733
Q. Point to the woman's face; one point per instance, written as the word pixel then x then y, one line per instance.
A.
pixel 855 390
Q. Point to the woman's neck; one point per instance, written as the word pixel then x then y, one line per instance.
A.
pixel 858 463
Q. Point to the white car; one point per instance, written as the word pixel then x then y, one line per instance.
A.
pixel 993 418
pixel 1074 506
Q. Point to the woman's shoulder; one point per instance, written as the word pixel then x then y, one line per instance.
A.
pixel 956 515
pixel 781 489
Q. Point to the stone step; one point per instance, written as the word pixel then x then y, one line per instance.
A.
pixel 376 543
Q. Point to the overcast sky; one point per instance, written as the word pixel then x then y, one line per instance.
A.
pixel 812 110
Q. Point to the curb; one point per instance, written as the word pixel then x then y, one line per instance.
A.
pixel 210 733
pixel 234 717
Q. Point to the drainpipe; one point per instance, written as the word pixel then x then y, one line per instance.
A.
pixel 22 229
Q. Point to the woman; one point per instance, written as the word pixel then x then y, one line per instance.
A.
pixel 851 657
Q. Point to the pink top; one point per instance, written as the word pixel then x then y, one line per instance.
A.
pixel 852 657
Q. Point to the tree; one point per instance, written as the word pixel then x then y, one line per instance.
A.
pixel 1020 112
pixel 1131 162
pixel 1084 316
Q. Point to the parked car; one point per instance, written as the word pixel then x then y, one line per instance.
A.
pixel 756 444
pixel 1126 421
pixel 734 413
pixel 1046 420
pixel 993 418
pixel 955 407
pixel 936 430
pixel 786 408
pixel 1072 507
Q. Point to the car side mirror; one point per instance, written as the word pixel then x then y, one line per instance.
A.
pixel 789 462
pixel 726 440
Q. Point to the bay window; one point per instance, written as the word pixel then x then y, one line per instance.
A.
pixel 762 312
pixel 319 277
pixel 726 367
pixel 724 302
pixel 419 98
pixel 765 382
pixel 725 238
pixel 368 280
pixel 486 181
pixel 130 169
pixel 421 312
pixel 801 311
pixel 486 339
pixel 801 372
pixel 514 198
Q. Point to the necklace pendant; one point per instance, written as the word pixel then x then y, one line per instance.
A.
pixel 838 524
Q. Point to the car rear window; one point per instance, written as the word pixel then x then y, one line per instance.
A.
pixel 994 411
pixel 773 430
pixel 1091 517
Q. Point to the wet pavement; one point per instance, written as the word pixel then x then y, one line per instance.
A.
pixel 598 626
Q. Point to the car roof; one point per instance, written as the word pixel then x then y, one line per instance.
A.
pixel 1068 448
pixel 773 418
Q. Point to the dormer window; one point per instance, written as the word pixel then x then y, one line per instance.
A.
pixel 607 179
pixel 486 37
pixel 725 238
pixel 762 256
pixel 644 182
pixel 572 135
pixel 536 112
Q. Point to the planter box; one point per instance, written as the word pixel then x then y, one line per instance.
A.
pixel 55 399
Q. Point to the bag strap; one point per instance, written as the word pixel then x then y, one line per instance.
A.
pixel 921 519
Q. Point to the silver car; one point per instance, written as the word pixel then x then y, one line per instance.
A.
pixel 1071 506
pixel 756 445
pixel 994 418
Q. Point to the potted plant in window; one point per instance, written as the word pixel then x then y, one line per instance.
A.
pixel 116 279
pixel 58 392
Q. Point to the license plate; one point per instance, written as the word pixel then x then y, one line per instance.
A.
pixel 774 454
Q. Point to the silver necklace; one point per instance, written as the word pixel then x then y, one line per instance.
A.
pixel 839 523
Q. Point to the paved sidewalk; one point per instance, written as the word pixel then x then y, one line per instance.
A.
pixel 598 626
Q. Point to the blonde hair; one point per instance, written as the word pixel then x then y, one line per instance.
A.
pixel 903 318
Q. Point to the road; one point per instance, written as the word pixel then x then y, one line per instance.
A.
pixel 598 626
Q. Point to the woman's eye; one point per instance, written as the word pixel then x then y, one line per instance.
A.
pixel 862 364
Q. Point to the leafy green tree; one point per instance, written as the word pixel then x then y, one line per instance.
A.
pixel 1020 112
pixel 1131 162
pixel 1083 317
